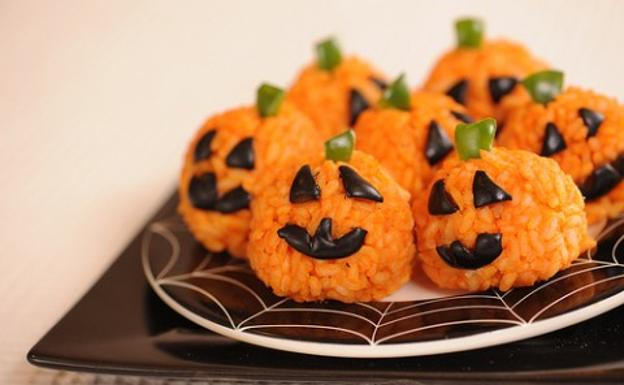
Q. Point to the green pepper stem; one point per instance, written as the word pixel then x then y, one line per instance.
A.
pixel 269 100
pixel 340 147
pixel 397 95
pixel 469 32
pixel 471 138
pixel 328 55
pixel 543 86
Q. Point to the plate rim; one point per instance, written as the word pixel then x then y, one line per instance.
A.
pixel 392 350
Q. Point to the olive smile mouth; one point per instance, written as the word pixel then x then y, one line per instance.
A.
pixel 321 245
pixel 204 195
pixel 488 247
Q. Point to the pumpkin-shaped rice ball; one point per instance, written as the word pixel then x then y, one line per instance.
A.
pixel 339 228
pixel 498 218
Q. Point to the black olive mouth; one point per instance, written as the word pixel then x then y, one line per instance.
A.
pixel 603 179
pixel 488 247
pixel 203 194
pixel 321 245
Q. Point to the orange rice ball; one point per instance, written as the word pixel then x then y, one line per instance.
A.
pixel 332 230
pixel 484 77
pixel 508 219
pixel 334 98
pixel 229 152
pixel 583 132
pixel 407 143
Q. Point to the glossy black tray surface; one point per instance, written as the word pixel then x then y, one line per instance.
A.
pixel 121 327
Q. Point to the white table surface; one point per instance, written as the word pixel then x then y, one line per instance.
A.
pixel 98 99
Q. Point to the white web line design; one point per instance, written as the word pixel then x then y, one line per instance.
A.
pixel 318 310
pixel 276 304
pixel 436 300
pixel 574 292
pixel 373 308
pixel 201 291
pixel 310 326
pixel 166 230
pixel 615 247
pixel 222 278
pixel 205 262
pixel 377 326
pixel 508 308
pixel 434 311
pixel 451 323
pixel 163 231
pixel 594 268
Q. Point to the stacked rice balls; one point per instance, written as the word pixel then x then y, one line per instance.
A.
pixel 408 176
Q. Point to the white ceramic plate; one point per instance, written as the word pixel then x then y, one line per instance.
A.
pixel 222 294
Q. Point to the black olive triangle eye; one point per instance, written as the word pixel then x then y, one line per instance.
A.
pixel 356 186
pixel 501 86
pixel 458 91
pixel 202 149
pixel 440 201
pixel 485 191
pixel 600 182
pixel 553 141
pixel 242 155
pixel 357 105
pixel 304 187
pixel 591 119
pixel 380 83
pixel 618 164
pixel 438 144
pixel 202 191
pixel 463 117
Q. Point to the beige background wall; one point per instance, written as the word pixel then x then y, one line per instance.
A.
pixel 98 98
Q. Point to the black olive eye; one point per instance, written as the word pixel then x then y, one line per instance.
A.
pixel 304 187
pixel 462 117
pixel 618 164
pixel 356 186
pixel 485 191
pixel 458 91
pixel 357 105
pixel 202 149
pixel 438 144
pixel 600 182
pixel 591 119
pixel 440 201
pixel 501 86
pixel 202 191
pixel 553 141
pixel 242 155
pixel 380 83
